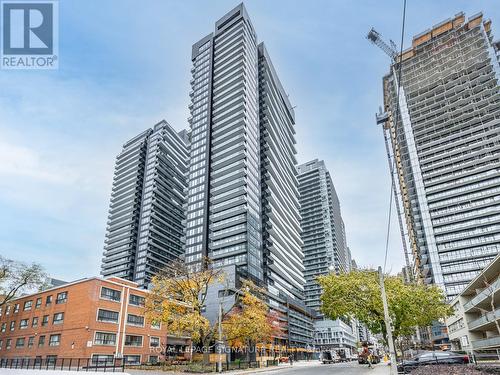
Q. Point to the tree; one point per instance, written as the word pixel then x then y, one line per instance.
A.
pixel 357 295
pixel 177 299
pixel 17 278
pixel 250 321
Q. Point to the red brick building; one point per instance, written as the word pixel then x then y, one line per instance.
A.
pixel 95 318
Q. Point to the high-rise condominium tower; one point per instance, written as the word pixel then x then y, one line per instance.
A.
pixel 325 249
pixel 445 145
pixel 242 209
pixel 145 223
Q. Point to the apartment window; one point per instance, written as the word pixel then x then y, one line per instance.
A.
pixel 105 338
pixel 27 305
pixel 48 300
pixel 136 300
pixel 135 320
pixel 20 342
pixel 154 342
pixel 7 310
pixel 111 294
pixel 155 325
pixel 61 297
pixel 1 344
pixel 51 360
pixel 54 340
pixel 8 343
pixel 102 359
pixel 132 359
pixel 41 341
pixel 23 324
pixel 16 308
pixel 34 322
pixel 153 359
pixel 45 320
pixel 132 340
pixel 107 316
pixel 38 302
pixel 4 327
pixel 58 318
pixel 12 325
pixel 31 341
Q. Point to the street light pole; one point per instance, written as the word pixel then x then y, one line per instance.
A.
pixel 388 328
pixel 219 343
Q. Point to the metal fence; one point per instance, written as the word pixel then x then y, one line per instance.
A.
pixel 68 364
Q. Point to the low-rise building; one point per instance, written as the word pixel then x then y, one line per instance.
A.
pixel 94 318
pixel 473 326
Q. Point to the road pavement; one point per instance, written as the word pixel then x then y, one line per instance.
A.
pixel 316 368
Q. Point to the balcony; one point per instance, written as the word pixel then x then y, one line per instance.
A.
pixel 488 318
pixel 486 343
pixel 481 296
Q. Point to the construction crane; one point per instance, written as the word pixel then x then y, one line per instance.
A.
pixel 390 50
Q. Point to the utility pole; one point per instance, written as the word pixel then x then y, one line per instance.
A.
pixel 219 342
pixel 388 328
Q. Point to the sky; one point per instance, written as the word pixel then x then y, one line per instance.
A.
pixel 125 65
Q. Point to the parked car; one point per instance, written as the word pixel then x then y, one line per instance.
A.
pixel 432 358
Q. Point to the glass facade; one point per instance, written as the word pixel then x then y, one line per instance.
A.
pixel 445 144
pixel 145 227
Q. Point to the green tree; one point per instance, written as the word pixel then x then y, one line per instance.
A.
pixel 19 277
pixel 357 295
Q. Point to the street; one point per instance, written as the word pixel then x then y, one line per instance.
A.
pixel 317 368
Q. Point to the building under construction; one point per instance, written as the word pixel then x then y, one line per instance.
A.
pixel 442 131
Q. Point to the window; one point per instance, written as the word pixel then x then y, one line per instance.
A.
pixel 58 318
pixel 12 325
pixel 102 359
pixel 4 327
pixel 156 325
pixel 7 310
pixel 132 359
pixel 27 305
pixel 154 342
pixel 8 344
pixel 48 300
pixel 41 341
pixel 153 359
pixel 45 320
pixel 38 302
pixel 104 338
pixel 51 360
pixel 34 322
pixel 61 297
pixel 111 294
pixel 131 340
pixel 54 340
pixel 31 341
pixel 1 344
pixel 16 308
pixel 20 342
pixel 135 320
pixel 23 324
pixel 136 300
pixel 107 316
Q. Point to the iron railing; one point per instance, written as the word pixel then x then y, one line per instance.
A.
pixel 68 364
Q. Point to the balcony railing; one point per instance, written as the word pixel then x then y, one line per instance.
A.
pixel 486 343
pixel 485 319
pixel 481 296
